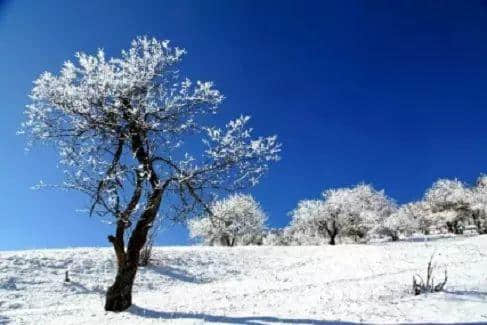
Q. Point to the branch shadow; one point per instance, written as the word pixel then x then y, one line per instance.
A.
pixel 81 288
pixel 176 273
pixel 4 320
pixel 467 292
pixel 427 238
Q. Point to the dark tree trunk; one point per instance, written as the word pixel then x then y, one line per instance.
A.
pixel 332 240
pixel 119 295
pixel 458 227
pixel 226 240
pixel 332 231
pixel 450 227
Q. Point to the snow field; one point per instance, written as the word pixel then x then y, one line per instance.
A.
pixel 251 285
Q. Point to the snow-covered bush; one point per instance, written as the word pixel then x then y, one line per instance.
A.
pixel 428 285
pixel 236 220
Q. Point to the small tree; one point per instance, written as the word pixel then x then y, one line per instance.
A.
pixel 124 127
pixel 479 204
pixel 421 212
pixel 402 221
pixel 352 211
pixel 237 219
pixel 451 202
pixel 360 209
pixel 309 223
pixel 275 237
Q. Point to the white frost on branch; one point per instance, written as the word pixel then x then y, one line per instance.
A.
pixel 121 124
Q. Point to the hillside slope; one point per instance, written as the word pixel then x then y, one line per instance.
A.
pixel 251 285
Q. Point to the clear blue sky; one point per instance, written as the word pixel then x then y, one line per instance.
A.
pixel 393 93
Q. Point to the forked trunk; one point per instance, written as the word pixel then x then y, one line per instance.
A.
pixel 119 295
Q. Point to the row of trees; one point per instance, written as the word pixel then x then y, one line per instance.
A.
pixel 357 213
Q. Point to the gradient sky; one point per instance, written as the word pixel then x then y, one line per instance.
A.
pixel 392 93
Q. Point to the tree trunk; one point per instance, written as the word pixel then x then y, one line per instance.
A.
pixel 394 236
pixel 119 295
pixel 332 232
pixel 332 240
pixel 450 227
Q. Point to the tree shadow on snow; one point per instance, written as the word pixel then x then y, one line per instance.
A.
pixel 250 320
pixel 467 295
pixel 82 289
pixel 4 320
pixel 176 273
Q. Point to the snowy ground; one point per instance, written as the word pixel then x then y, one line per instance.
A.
pixel 251 285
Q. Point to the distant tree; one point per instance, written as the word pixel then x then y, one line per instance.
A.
pixel 421 212
pixel 361 209
pixel 402 221
pixel 237 219
pixel 308 223
pixel 124 128
pixel 350 211
pixel 452 196
pixel 275 237
pixel 447 194
pixel 479 204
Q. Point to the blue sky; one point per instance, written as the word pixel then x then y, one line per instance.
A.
pixel 392 93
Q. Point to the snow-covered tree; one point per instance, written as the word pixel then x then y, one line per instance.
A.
pixel 403 221
pixel 421 212
pixel 350 211
pixel 359 210
pixel 450 202
pixel 275 237
pixel 237 219
pixel 447 194
pixel 479 204
pixel 306 226
pixel 125 129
